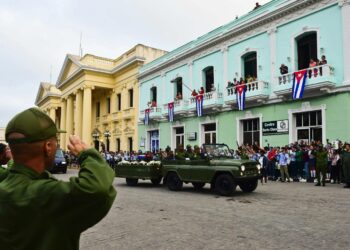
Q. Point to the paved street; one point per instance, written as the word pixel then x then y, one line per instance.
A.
pixel 275 216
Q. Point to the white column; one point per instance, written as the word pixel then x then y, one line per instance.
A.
pixel 190 73
pixel 87 108
pixel 78 113
pixel 63 124
pixel 224 51
pixel 345 12
pixel 273 58
pixel 69 117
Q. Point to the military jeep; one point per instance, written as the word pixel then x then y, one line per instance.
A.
pixel 216 167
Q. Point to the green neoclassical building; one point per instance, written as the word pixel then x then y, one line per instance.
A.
pixel 254 47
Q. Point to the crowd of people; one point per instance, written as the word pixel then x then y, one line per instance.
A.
pixel 297 162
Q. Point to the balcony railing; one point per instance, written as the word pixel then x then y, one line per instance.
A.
pixel 256 91
pixel 155 113
pixel 117 115
pixel 211 100
pixel 128 113
pixel 318 78
pixel 179 106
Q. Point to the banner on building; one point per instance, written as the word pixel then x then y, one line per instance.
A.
pixel 241 89
pixel 171 111
pixel 299 82
pixel 146 120
pixel 199 105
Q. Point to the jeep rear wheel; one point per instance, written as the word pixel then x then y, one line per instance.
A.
pixel 224 185
pixel 173 181
pixel 198 185
pixel 249 186
pixel 131 181
pixel 156 181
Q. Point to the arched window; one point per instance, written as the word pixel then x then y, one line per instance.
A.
pixel 178 87
pixel 208 76
pixel 250 65
pixel 307 49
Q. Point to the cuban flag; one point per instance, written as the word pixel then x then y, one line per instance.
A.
pixel 199 104
pixel 171 111
pixel 299 81
pixel 146 120
pixel 241 89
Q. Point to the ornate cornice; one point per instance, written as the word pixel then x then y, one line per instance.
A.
pixel 259 25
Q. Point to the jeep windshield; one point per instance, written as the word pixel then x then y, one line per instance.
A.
pixel 217 150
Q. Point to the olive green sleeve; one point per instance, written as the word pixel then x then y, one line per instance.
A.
pixel 84 200
pixel 3 173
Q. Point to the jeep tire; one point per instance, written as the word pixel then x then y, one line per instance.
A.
pixel 225 185
pixel 248 186
pixel 156 181
pixel 173 182
pixel 131 181
pixel 198 185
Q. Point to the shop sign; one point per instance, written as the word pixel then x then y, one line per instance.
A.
pixel 275 127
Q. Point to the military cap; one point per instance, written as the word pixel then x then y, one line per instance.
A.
pixel 33 124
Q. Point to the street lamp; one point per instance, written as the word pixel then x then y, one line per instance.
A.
pixel 107 134
pixel 96 135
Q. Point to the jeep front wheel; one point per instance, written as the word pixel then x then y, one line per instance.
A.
pixel 173 181
pixel 131 181
pixel 225 185
pixel 249 186
pixel 198 185
pixel 156 181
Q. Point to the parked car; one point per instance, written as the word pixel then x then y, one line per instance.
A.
pixel 60 164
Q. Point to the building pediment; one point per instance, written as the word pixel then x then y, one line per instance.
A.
pixel 70 67
pixel 46 90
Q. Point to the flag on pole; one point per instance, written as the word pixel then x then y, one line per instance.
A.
pixel 299 81
pixel 199 104
pixel 171 111
pixel 146 120
pixel 241 89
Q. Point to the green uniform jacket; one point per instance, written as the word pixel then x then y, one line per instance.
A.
pixel 346 166
pixel 39 212
pixel 321 159
pixel 3 173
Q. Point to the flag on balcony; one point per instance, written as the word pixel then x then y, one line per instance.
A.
pixel 146 120
pixel 199 104
pixel 171 111
pixel 299 81
pixel 241 89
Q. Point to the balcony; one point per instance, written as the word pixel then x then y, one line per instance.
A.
pixel 212 101
pixel 116 116
pixel 106 118
pixel 319 78
pixel 154 114
pixel 180 108
pixel 256 92
pixel 129 113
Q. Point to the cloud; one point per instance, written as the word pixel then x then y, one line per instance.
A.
pixel 35 35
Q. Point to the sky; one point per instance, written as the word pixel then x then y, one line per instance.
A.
pixel 36 35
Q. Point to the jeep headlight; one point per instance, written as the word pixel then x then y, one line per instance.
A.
pixel 258 166
pixel 242 168
pixel 63 162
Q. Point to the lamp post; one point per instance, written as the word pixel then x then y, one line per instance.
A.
pixel 96 135
pixel 107 134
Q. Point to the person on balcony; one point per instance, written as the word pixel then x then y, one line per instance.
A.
pixel 154 104
pixel 283 71
pixel 201 91
pixel 313 68
pixel 229 87
pixel 322 62
pixel 212 88
pixel 194 93
pixel 178 96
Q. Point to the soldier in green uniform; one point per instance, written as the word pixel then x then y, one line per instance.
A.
pixel 346 165
pixel 36 210
pixel 321 165
pixel 5 158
